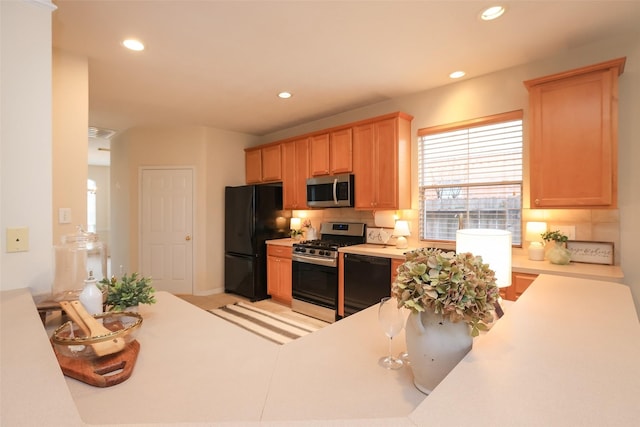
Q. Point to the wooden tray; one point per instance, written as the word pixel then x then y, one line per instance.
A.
pixel 105 371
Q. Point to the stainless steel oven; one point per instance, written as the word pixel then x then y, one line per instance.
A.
pixel 314 281
pixel 315 287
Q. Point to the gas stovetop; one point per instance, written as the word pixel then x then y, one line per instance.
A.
pixel 334 235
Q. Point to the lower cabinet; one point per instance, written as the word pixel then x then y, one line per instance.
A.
pixel 279 273
pixel 395 263
pixel 519 283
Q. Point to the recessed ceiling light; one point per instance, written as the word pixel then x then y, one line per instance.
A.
pixel 492 12
pixel 457 74
pixel 133 44
pixel 284 95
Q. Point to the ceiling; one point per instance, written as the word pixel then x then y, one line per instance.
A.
pixel 221 63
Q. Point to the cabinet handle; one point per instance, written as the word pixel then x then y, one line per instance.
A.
pixel 537 202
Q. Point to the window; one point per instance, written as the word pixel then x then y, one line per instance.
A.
pixel 470 175
pixel 91 205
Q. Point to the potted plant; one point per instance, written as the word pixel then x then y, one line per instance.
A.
pixel 452 297
pixel 129 291
pixel 557 253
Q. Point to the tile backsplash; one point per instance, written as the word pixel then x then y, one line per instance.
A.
pixel 596 225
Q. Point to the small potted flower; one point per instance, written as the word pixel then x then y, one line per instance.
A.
pixel 557 252
pixel 128 292
pixel 297 233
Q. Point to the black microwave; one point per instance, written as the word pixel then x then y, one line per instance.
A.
pixel 334 191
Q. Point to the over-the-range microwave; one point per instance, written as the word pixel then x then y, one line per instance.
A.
pixel 332 191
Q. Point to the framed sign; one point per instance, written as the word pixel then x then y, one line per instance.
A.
pixel 591 252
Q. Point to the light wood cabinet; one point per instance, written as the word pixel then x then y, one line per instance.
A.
pixel 340 151
pixel 382 163
pixel 395 263
pixel 295 171
pixel 519 283
pixel 330 153
pixel 253 166
pixel 573 140
pixel 279 273
pixel 319 154
pixel 263 164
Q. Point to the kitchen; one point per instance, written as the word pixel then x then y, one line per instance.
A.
pixel 508 83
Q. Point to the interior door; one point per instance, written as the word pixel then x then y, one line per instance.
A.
pixel 166 225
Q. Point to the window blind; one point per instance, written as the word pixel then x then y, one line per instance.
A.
pixel 470 175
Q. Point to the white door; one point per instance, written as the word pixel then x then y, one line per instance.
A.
pixel 166 224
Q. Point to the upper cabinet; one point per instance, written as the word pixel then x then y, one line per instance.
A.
pixel 295 158
pixel 382 163
pixel 263 164
pixel 331 153
pixel 573 120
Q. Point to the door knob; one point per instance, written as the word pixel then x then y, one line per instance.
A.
pixel 187 238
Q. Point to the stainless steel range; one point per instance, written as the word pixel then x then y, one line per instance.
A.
pixel 315 269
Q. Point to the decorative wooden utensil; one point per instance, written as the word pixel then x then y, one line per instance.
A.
pixel 97 329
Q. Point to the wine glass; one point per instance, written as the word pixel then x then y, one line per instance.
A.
pixel 391 320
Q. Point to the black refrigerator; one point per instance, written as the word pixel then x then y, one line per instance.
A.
pixel 253 215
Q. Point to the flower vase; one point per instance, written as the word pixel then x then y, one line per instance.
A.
pixel 435 346
pixel 559 254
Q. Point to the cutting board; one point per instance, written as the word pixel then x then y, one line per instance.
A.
pixel 104 371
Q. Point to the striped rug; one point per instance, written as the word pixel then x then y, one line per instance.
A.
pixel 269 325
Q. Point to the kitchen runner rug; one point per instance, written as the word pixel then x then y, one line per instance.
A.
pixel 271 326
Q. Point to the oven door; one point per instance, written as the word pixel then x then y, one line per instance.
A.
pixel 314 285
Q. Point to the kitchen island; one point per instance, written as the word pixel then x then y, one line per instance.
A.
pixel 566 353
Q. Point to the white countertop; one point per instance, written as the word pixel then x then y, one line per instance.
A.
pixel 519 263
pixel 566 353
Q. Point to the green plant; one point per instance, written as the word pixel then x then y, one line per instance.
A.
pixel 555 236
pixel 458 286
pixel 129 291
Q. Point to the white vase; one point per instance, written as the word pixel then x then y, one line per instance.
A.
pixel 435 346
pixel 558 254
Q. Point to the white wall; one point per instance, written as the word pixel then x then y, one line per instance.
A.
pixel 504 91
pixel 70 117
pixel 25 142
pixel 218 158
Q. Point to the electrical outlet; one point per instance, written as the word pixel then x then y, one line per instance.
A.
pixel 567 230
pixel 17 239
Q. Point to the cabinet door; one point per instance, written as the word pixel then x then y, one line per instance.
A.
pixel 363 167
pixel 340 151
pixel 295 171
pixel 285 295
pixel 395 263
pixel 386 165
pixel 271 163
pixel 253 166
pixel 519 283
pixel 319 155
pixel 574 138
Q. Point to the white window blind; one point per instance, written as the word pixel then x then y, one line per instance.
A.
pixel 470 175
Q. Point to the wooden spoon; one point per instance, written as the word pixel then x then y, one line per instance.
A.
pixel 73 315
pixel 97 329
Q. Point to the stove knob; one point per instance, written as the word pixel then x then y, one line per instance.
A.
pixel 312 251
pixel 321 253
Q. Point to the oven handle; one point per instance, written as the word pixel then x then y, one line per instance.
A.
pixel 335 191
pixel 327 262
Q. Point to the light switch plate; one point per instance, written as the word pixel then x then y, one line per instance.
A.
pixel 17 239
pixel 64 216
